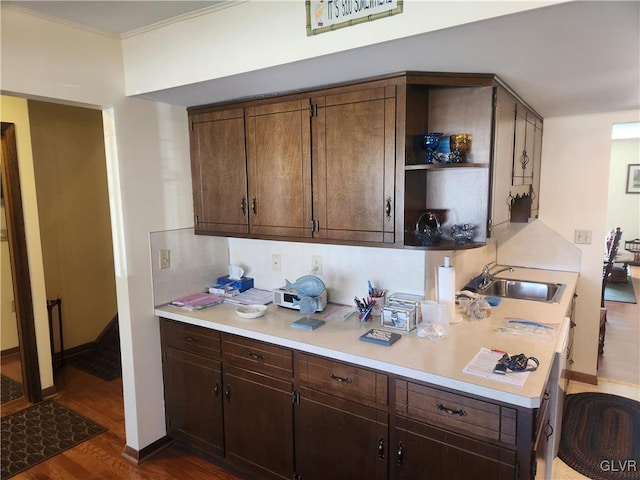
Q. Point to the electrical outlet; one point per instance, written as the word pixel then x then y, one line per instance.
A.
pixel 165 258
pixel 582 237
pixel 276 265
pixel 316 264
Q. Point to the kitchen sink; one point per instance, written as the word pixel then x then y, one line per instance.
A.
pixel 525 290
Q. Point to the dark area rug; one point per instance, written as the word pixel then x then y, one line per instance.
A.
pixel 620 292
pixel 601 436
pixel 40 432
pixel 10 389
pixel 103 362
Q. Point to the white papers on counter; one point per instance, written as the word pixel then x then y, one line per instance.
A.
pixel 253 296
pixel 484 362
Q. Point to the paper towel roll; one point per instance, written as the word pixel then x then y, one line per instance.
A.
pixel 446 289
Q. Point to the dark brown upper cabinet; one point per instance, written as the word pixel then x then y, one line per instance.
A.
pixel 343 164
pixel 354 164
pixel 219 171
pixel 279 169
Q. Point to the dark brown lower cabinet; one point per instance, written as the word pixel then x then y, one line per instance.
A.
pixel 421 451
pixel 258 420
pixel 339 439
pixel 334 420
pixel 192 389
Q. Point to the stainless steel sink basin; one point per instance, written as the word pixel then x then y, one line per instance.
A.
pixel 525 290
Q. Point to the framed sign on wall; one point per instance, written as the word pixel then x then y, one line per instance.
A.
pixel 327 15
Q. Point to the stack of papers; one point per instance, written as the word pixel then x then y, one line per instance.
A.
pixel 485 361
pixel 253 296
pixel 197 301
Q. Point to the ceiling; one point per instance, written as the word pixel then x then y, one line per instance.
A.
pixel 114 17
pixel 566 59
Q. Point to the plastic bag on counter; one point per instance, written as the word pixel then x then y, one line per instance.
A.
pixel 521 326
pixel 478 309
pixel 434 324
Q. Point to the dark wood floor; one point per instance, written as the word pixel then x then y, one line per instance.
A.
pixel 100 458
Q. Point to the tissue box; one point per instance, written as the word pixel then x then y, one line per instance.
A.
pixel 225 289
pixel 245 283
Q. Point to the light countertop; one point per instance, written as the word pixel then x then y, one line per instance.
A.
pixel 439 363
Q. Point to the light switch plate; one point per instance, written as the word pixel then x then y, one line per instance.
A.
pixel 164 259
pixel 276 263
pixel 582 237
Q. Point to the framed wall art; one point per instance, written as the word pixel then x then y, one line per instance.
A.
pixel 633 178
pixel 328 15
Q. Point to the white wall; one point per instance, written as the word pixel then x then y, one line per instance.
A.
pixel 149 179
pixel 196 261
pixel 573 195
pixel 54 61
pixel 213 46
pixel 345 269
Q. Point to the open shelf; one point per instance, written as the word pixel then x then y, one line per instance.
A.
pixel 438 166
pixel 412 242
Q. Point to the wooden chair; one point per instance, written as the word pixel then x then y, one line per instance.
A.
pixel 633 246
pixel 613 244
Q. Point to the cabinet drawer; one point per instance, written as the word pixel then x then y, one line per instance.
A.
pixel 190 338
pixel 257 356
pixel 344 380
pixel 456 412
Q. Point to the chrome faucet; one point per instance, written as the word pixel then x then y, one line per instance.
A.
pixel 488 277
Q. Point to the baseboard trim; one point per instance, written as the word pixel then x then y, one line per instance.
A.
pixel 139 456
pixel 78 349
pixel 49 392
pixel 584 378
pixel 10 351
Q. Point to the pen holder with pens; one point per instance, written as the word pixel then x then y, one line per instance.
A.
pixel 376 312
pixel 365 308
pixel 376 298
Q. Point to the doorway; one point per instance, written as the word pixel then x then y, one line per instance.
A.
pixel 26 359
pixel 621 358
pixel 69 168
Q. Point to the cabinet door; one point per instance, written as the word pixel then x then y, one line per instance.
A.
pixel 339 439
pixel 537 161
pixel 543 449
pixel 353 165
pixel 423 451
pixel 523 147
pixel 192 389
pixel 258 416
pixel 501 174
pixel 219 175
pixel 279 163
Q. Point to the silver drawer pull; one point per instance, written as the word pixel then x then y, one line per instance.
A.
pixel 191 339
pixel 340 379
pixel 255 356
pixel 451 411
